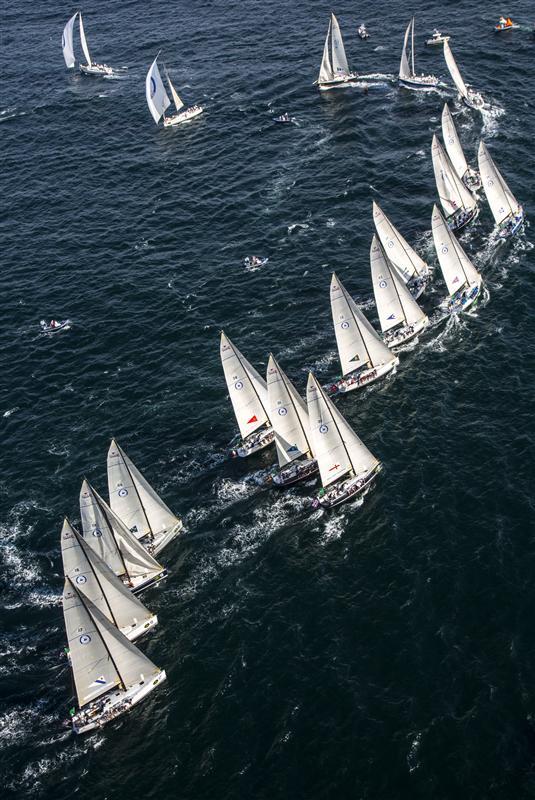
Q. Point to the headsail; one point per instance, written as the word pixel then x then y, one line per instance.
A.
pixel 326 70
pixel 457 269
pixel 452 192
pixel 289 414
pixel 176 99
pixel 404 68
pixel 92 576
pixel 502 201
pixel 454 71
pixel 337 447
pixel 338 58
pixel 247 390
pixel 83 40
pixel 358 343
pixel 67 42
pixel 453 145
pixel 133 499
pixel 395 304
pixel 157 99
pixel 400 253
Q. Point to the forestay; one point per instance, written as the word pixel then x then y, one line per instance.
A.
pixel 502 201
pixel 337 447
pixel 452 192
pixel 83 40
pixel 339 60
pixel 67 42
pixel 157 99
pixel 453 145
pixel 454 71
pixel 400 253
pixel 289 414
pixel 457 269
pixel 395 304
pixel 247 390
pixel 358 343
pixel 133 499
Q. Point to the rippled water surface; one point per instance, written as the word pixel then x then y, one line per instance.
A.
pixel 382 651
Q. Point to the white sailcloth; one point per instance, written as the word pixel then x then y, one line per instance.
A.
pixel 157 99
pixel 453 145
pixel 454 71
pixel 406 260
pixel 92 576
pixel 337 447
pixel 83 40
pixel 289 414
pixel 101 656
pixel 247 390
pixel 457 269
pixel 326 70
pixel 452 192
pixel 502 201
pixel 176 99
pixel 67 42
pixel 133 499
pixel 109 537
pixel 395 304
pixel 358 343
pixel 404 68
pixel 338 58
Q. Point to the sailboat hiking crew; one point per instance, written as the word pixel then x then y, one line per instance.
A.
pixel 67 42
pixel 334 70
pixel 158 100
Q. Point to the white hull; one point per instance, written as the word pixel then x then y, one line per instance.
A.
pixel 96 70
pixel 346 489
pixel 419 82
pixel 254 442
pixel 296 471
pixel 63 326
pixel 474 100
pixel 158 541
pixel 139 584
pixel 352 381
pixel 511 225
pixel 462 301
pixel 437 40
pixel 113 704
pixel 183 116
pixel 405 334
pixel 338 83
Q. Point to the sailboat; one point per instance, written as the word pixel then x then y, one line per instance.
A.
pixel 470 98
pixel 136 503
pixel 291 426
pixel 248 394
pixel 400 316
pixel 459 204
pixel 334 70
pixel 413 269
pixel 363 355
pixel 506 210
pixel 109 537
pixel 95 580
pixel 407 74
pixel 461 277
pixel 346 465
pixel 469 176
pixel 67 42
pixel 158 99
pixel 110 674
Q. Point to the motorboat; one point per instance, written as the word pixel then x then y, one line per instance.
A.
pixel 362 32
pixel 505 24
pixel 437 38
pixel 284 118
pixel 54 326
pixel 255 262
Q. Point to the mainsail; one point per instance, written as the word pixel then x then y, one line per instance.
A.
pixel 337 447
pixel 338 58
pixel 502 201
pixel 133 499
pixel 452 192
pixel 453 145
pixel 358 343
pixel 101 656
pixel 289 414
pixel 454 71
pixel 326 70
pixel 400 253
pixel 404 68
pixel 92 576
pixel 83 40
pixel 457 269
pixel 109 537
pixel 67 42
pixel 395 304
pixel 157 99
pixel 247 390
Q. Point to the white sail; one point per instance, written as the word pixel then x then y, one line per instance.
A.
pixel 404 68
pixel 83 40
pixel 452 192
pixel 358 343
pixel 326 70
pixel 395 304
pixel 67 42
pixel 289 413
pixel 101 656
pixel 407 262
pixel 338 56
pixel 98 582
pixel 457 269
pixel 247 390
pixel 109 537
pixel 453 145
pixel 133 499
pixel 157 99
pixel 337 447
pixel 176 99
pixel 502 201
pixel 454 71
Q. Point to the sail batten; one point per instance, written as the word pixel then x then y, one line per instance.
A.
pixel 457 269
pixel 289 414
pixel 501 200
pixel 399 252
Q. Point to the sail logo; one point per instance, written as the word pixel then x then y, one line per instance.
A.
pixel 97 532
pixel 456 279
pixel 85 638
pixel 383 284
pixel 293 449
pixel 152 87
pixel 335 466
pixel 122 492
pixel 238 385
pixel 100 681
pixel 80 579
pixel 253 419
pixel 323 428
pixel 283 411
pixel 445 249
pixel 392 316
pixel 391 243
pixel 345 325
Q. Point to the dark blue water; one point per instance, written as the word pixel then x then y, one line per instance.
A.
pixel 385 650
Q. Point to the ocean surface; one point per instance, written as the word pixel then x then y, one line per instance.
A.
pixel 386 650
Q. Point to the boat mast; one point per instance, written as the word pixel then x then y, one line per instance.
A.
pixel 298 417
pixel 337 430
pixel 355 320
pixel 79 539
pixel 394 282
pixel 103 511
pixel 250 381
pixel 137 491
